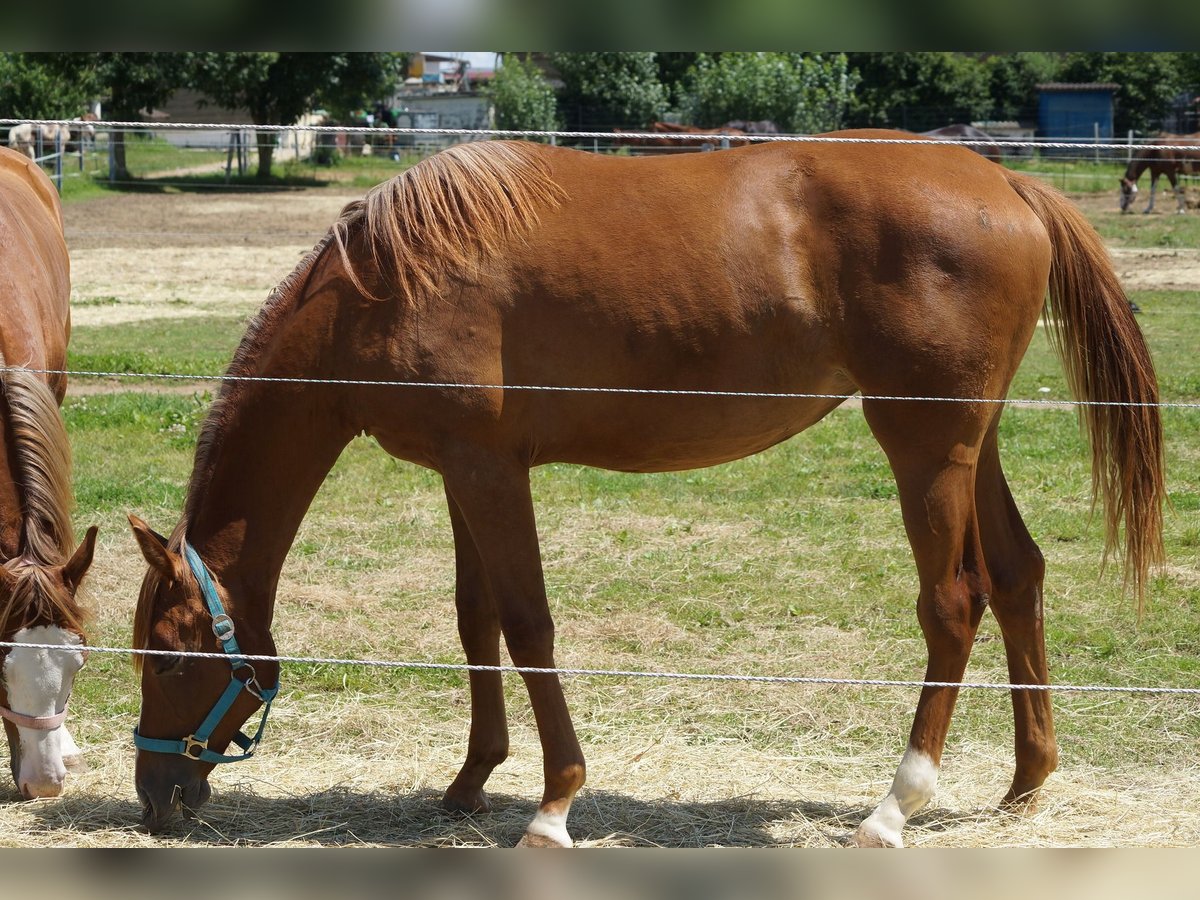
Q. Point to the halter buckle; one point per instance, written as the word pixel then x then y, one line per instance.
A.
pixel 222 621
pixel 190 743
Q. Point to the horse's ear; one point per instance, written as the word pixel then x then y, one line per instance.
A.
pixel 154 547
pixel 80 561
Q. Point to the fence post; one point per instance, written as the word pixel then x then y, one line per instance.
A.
pixel 1096 140
pixel 58 155
pixel 112 157
pixel 1129 154
pixel 229 155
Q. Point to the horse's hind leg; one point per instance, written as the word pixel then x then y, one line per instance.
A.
pixel 479 631
pixel 1180 201
pixel 497 508
pixel 1015 565
pixel 933 452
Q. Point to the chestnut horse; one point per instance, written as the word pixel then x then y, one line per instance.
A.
pixel 816 269
pixel 1172 163
pixel 725 133
pixel 39 575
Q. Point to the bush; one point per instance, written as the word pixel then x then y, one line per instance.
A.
pixel 522 98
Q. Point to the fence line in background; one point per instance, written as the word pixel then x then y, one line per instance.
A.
pixel 615 673
pixel 577 389
pixel 610 135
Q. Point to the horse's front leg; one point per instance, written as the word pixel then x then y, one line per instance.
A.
pixel 479 631
pixel 1153 188
pixel 497 508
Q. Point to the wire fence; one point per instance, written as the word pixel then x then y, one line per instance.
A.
pixel 237 658
pixel 1084 149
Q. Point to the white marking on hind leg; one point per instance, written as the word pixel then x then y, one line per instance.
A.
pixel 552 826
pixel 913 787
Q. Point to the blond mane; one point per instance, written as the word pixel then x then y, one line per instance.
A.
pixel 446 214
pixel 42 456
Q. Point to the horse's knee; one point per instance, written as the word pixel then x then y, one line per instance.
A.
pixel 530 637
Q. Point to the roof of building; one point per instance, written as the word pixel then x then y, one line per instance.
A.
pixel 1079 86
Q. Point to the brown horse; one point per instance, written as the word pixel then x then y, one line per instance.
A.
pixel 39 575
pixel 967 133
pixel 1183 156
pixel 807 268
pixel 725 134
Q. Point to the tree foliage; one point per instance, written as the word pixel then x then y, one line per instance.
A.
pixel 920 90
pixel 1148 83
pixel 1013 79
pixel 610 89
pixel 799 92
pixel 31 87
pixel 278 88
pixel 522 97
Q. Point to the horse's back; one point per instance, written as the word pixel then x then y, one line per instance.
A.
pixel 35 276
pixel 815 268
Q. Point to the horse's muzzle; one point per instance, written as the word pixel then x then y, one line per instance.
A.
pixel 168 789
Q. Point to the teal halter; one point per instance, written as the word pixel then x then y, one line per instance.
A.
pixel 195 746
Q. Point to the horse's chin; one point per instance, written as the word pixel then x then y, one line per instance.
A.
pixel 159 806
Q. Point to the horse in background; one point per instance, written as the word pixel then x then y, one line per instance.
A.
pixel 39 141
pixel 39 573
pixel 1182 157
pixel 723 134
pixel 970 133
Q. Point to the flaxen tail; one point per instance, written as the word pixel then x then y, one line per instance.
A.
pixel 1107 362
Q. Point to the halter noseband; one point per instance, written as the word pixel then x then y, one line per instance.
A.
pixel 195 745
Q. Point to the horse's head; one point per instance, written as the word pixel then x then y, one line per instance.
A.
pixel 38 608
pixel 1128 193
pixel 181 695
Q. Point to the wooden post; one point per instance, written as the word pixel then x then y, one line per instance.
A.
pixel 229 155
pixel 58 155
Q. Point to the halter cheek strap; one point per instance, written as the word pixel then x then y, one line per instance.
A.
pixel 195 745
pixel 37 723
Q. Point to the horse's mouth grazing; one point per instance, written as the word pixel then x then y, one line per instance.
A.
pixel 159 808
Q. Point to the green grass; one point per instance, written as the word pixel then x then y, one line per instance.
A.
pixel 1072 175
pixel 737 562
pixel 201 345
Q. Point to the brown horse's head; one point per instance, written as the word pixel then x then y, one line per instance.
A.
pixel 38 608
pixel 1128 193
pixel 179 692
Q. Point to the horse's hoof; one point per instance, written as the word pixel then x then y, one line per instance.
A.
pixel 1022 803
pixel 870 838
pixel 468 803
pixel 541 841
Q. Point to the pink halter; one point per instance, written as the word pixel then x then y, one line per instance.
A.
pixel 38 723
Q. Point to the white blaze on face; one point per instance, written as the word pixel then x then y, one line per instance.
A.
pixel 913 787
pixel 39 683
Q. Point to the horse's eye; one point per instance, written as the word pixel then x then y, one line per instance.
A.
pixel 167 663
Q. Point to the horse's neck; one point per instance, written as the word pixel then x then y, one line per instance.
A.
pixel 264 453
pixel 1136 167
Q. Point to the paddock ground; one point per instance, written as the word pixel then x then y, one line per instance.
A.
pixel 643 574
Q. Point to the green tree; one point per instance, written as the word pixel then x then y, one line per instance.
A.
pixel 609 90
pixel 126 82
pixel 1013 79
pixel 919 91
pixel 278 88
pixel 799 92
pixel 30 88
pixel 1148 83
pixel 522 97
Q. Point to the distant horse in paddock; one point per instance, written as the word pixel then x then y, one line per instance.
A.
pixel 969 133
pixel 817 270
pixel 724 133
pixel 24 139
pixel 39 574
pixel 1176 161
pixel 762 126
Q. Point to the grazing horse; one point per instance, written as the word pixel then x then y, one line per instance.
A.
pixel 39 574
pixel 1183 156
pixel 815 269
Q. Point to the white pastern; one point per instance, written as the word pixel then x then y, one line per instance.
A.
pixel 39 683
pixel 552 826
pixel 913 787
